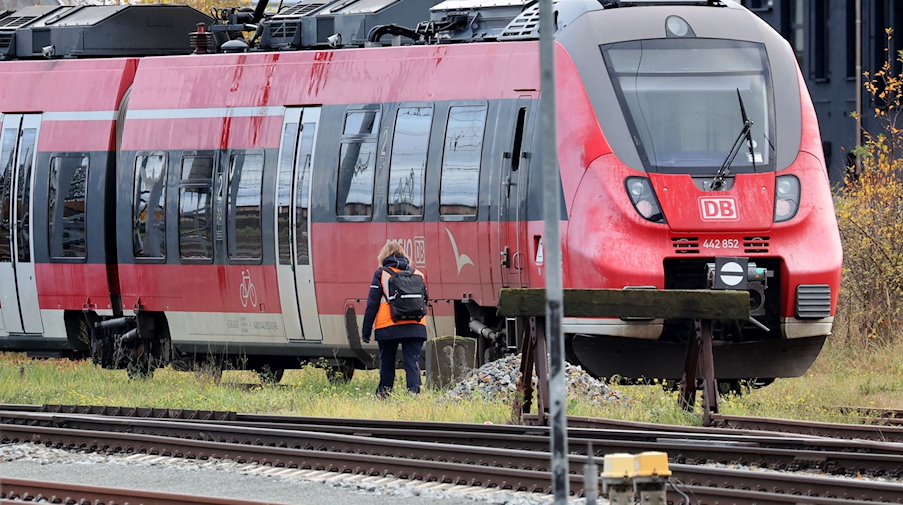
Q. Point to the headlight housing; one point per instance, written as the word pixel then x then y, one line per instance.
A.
pixel 786 198
pixel 640 191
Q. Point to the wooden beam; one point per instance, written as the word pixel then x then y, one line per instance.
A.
pixel 641 303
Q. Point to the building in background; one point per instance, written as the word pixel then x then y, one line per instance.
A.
pixel 823 35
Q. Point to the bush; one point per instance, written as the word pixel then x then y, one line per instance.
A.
pixel 870 216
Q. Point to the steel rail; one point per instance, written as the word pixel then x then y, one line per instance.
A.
pixel 460 446
pixel 580 427
pixel 427 470
pixel 342 462
pixel 704 495
pixel 834 430
pixel 17 491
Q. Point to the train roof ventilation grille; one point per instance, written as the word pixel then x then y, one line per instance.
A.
pixel 284 31
pixel 6 39
pixel 524 26
pixel 685 245
pixel 300 9
pixel 754 245
pixel 13 22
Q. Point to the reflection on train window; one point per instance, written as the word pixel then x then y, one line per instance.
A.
pixel 305 156
pixel 148 206
pixel 7 161
pixel 245 185
pixel 704 86
pixel 23 207
pixel 357 164
pixel 195 209
pixel 460 181
pixel 284 191
pixel 408 164
pixel 66 203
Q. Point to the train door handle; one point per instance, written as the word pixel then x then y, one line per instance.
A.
pixel 506 257
pixel 518 260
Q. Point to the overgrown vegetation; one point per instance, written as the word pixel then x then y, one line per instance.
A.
pixel 870 215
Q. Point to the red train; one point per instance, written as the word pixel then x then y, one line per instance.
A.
pixel 173 208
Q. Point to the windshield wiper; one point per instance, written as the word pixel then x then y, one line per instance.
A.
pixel 745 132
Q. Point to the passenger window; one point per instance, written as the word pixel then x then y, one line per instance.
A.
pixel 7 162
pixel 149 206
pixel 66 201
pixel 408 164
pixel 357 164
pixel 302 192
pixel 195 209
pixel 23 205
pixel 461 156
pixel 284 194
pixel 245 185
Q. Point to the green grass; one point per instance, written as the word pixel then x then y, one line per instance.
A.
pixel 840 376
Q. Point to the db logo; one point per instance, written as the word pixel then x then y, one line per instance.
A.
pixel 718 209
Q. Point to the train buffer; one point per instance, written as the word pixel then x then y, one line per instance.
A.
pixel 527 307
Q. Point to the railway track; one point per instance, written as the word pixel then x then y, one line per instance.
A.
pixel 380 437
pixel 466 459
pixel 17 491
pixel 874 432
pixel 870 415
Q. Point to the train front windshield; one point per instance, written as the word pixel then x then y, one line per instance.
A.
pixel 680 99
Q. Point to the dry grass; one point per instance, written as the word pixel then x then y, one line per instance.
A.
pixel 841 376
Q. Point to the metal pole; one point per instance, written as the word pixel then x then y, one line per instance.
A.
pixel 858 85
pixel 552 214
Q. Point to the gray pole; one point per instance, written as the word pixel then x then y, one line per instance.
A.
pixel 552 212
pixel 858 7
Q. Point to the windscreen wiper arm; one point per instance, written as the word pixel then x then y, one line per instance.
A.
pixel 745 133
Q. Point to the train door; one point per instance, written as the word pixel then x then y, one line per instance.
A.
pixel 18 288
pixel 512 204
pixel 294 267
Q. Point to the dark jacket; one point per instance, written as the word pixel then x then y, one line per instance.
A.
pixel 376 294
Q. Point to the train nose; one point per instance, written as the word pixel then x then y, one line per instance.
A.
pixel 744 203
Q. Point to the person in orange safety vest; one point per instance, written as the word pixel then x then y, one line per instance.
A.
pixel 409 334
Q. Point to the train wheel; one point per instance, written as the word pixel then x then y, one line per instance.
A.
pixel 341 373
pixel 270 375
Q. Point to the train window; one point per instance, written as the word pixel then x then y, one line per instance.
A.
pixel 302 192
pixel 7 161
pixel 148 206
pixel 195 209
pixel 357 164
pixel 245 185
pixel 23 207
pixel 461 156
pixel 362 122
pixel 408 163
pixel 284 192
pixel 66 203
pixel 662 82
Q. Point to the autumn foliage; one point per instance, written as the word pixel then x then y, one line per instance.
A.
pixel 870 216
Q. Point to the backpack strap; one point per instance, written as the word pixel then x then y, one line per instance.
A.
pixel 384 287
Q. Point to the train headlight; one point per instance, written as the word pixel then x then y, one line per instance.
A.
pixel 786 198
pixel 644 200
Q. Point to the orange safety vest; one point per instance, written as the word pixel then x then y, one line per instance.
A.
pixel 384 315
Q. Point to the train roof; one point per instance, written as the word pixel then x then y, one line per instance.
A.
pixel 146 30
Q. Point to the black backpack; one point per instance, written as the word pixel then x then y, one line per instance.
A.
pixel 406 296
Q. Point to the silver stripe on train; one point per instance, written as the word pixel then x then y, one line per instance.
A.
pixel 96 115
pixel 213 112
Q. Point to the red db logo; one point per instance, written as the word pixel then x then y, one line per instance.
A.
pixel 718 209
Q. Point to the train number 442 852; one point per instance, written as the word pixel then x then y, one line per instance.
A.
pixel 721 243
